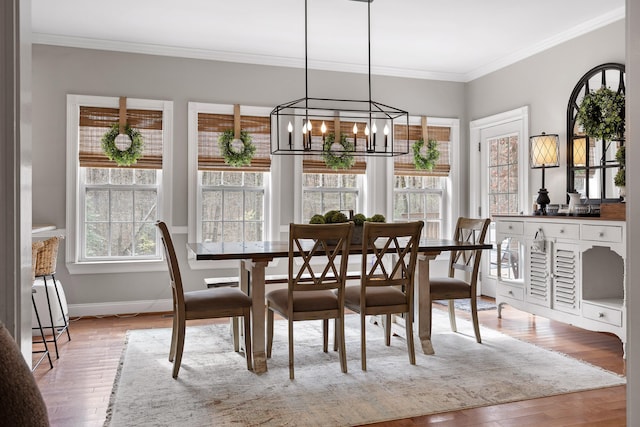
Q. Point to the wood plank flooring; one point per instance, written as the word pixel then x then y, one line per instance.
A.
pixel 78 388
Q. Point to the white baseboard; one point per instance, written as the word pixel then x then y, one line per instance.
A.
pixel 124 307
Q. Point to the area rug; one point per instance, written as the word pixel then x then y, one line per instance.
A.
pixel 464 304
pixel 215 388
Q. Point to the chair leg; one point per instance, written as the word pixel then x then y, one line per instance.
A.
pixel 474 316
pixel 363 341
pixel 64 315
pixel 290 321
pixel 387 330
pixel 409 332
pixel 325 334
pixel 235 329
pixel 335 335
pixel 269 331
pixel 174 336
pixel 52 325
pixel 179 347
pixel 343 354
pixel 247 338
pixel 45 352
pixel 452 316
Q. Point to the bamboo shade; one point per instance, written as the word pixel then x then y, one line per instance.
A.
pixel 96 121
pixel 403 165
pixel 314 163
pixel 211 126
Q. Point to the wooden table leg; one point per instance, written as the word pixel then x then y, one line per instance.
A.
pixel 423 301
pixel 257 285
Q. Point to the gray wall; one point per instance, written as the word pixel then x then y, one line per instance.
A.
pixel 59 71
pixel 544 82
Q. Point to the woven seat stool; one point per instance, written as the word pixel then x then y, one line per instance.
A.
pixel 35 246
pixel 46 267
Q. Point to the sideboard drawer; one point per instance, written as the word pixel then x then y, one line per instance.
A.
pixel 513 292
pixel 553 229
pixel 602 314
pixel 510 227
pixel 602 233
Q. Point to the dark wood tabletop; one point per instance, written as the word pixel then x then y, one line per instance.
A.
pixel 211 251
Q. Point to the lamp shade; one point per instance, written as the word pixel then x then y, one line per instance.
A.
pixel 580 152
pixel 544 151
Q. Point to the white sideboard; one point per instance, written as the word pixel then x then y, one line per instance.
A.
pixel 574 272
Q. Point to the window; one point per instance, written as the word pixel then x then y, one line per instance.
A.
pixel 229 202
pixel 420 198
pixel 114 208
pixel 232 208
pixel 323 192
pixel 421 194
pixel 325 189
pixel 119 215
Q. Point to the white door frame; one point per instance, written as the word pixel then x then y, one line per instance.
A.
pixel 477 201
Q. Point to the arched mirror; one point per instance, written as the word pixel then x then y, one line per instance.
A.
pixel 591 151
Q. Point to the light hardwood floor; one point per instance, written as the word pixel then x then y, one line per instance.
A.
pixel 77 389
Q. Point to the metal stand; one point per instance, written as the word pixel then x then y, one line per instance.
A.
pixel 56 330
pixel 45 352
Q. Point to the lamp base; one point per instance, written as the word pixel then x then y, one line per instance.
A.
pixel 542 201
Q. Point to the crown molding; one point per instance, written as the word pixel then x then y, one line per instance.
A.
pixel 578 30
pixel 277 61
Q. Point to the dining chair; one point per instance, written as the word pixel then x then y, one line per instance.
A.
pixel 323 252
pixel 466 264
pixel 208 303
pixel 386 284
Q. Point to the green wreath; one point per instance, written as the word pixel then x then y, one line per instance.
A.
pixel 126 157
pixel 338 161
pixel 601 113
pixel 427 162
pixel 231 156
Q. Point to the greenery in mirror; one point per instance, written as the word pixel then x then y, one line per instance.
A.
pixel 336 217
pixel 620 179
pixel 601 114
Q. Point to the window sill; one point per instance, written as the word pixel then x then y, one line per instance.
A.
pixel 106 267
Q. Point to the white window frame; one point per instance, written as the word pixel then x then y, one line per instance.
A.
pixel 75 200
pixel 451 192
pixel 194 228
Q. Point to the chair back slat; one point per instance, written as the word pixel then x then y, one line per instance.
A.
pixel 472 230
pixel 398 241
pixel 323 250
pixel 172 263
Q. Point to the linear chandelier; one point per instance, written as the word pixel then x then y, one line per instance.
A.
pixel 312 125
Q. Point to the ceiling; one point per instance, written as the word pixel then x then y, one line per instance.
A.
pixel 455 40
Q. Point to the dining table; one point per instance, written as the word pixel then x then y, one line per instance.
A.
pixel 254 258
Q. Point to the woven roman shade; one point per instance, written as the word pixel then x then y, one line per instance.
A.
pixel 211 126
pixel 96 121
pixel 315 163
pixel 403 165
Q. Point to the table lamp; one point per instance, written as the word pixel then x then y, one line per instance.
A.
pixel 543 149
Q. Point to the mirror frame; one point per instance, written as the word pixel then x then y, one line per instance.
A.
pixel 581 89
